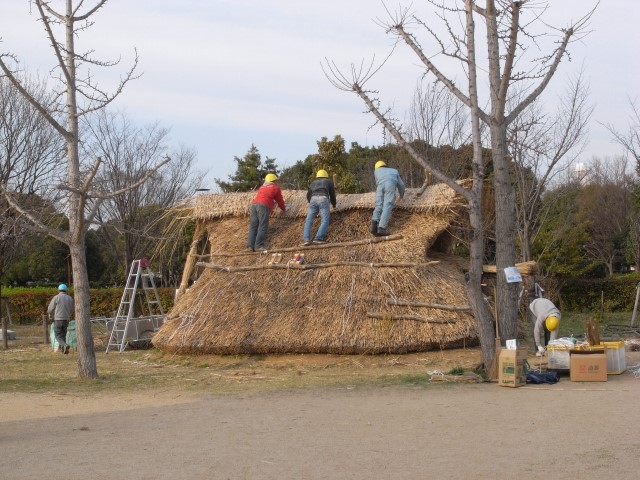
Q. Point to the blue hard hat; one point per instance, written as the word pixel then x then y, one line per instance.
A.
pixel 62 287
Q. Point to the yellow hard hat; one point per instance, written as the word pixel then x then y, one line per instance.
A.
pixel 271 177
pixel 551 323
pixel 322 174
pixel 380 163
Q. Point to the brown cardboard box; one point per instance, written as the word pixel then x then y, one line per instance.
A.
pixel 512 371
pixel 590 367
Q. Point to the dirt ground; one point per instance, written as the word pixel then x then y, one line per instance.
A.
pixel 347 430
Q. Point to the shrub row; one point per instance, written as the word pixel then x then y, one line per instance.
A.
pixel 613 294
pixel 29 307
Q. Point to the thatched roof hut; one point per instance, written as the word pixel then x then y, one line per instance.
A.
pixel 357 294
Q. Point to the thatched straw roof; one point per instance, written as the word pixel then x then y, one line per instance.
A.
pixel 437 199
pixel 355 295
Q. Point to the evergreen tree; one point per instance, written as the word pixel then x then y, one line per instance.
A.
pixel 559 244
pixel 250 172
pixel 299 175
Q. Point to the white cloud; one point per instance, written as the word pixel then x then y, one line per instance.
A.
pixel 250 69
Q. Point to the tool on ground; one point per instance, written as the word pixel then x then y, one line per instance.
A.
pixel 498 342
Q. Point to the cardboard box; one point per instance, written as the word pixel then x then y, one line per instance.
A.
pixel 588 367
pixel 512 371
pixel 616 362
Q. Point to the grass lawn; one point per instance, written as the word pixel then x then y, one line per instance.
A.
pixel 30 365
pixel 613 326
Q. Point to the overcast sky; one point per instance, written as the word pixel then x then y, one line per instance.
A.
pixel 226 74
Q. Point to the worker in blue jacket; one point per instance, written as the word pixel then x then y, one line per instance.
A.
pixel 388 180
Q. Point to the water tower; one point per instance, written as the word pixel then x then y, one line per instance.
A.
pixel 579 173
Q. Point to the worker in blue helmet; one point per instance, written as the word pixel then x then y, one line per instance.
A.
pixel 61 308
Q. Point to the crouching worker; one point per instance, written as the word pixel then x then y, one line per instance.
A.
pixel 321 192
pixel 262 205
pixel 388 180
pixel 546 318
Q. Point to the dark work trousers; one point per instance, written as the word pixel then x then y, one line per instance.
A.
pixel 60 329
pixel 547 334
pixel 258 226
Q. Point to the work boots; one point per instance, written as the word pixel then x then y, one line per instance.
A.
pixel 383 232
pixel 374 228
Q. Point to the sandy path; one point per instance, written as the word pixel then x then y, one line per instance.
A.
pixel 568 430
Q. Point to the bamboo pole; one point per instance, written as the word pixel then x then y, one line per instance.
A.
pixel 5 339
pixel 427 180
pixel 5 309
pixel 45 323
pixel 310 266
pixel 412 303
pixel 191 259
pixel 495 369
pixel 391 316
pixel 312 246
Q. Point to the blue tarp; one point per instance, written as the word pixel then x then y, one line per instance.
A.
pixel 71 336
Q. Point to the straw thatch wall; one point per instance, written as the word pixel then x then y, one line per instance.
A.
pixel 364 298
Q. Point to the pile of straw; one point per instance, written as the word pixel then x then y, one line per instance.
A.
pixel 349 297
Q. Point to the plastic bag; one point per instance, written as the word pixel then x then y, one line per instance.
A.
pixel 547 377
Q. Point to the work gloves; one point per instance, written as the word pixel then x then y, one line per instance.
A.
pixel 540 351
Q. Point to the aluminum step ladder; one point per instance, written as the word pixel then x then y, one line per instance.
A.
pixel 123 330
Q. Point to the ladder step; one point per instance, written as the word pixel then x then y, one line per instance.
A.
pixel 139 277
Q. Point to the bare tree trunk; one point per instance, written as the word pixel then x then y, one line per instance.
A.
pixel 502 29
pixel 87 366
pixel 476 247
pixel 77 185
pixel 505 234
pixel 499 81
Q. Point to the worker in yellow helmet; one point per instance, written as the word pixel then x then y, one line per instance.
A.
pixel 320 194
pixel 388 180
pixel 546 318
pixel 267 196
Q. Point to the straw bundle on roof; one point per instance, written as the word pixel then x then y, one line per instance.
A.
pixel 348 297
pixel 526 269
pixel 436 199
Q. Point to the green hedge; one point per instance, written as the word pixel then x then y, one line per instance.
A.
pixel 612 294
pixel 579 295
pixel 28 307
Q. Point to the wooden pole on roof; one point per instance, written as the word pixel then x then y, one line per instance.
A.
pixel 191 259
pixel 417 318
pixel 311 266
pixel 303 249
pixel 427 181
